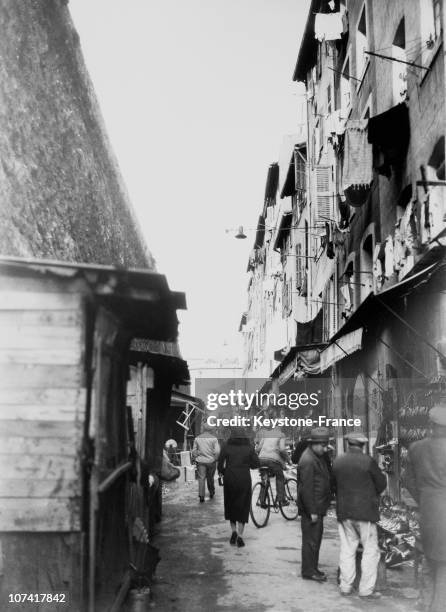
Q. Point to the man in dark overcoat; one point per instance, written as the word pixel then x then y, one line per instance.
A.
pixel 425 479
pixel 359 483
pixel 313 501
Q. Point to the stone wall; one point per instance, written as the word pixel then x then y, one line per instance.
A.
pixel 61 192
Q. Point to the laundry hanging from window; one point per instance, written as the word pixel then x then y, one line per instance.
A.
pixel 389 132
pixel 389 257
pixel 328 26
pixel 346 292
pixel 357 164
pixel 335 128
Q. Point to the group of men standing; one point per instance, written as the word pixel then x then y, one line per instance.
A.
pixel 357 481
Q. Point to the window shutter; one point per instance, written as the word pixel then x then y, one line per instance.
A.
pixel 299 275
pixel 325 314
pixel 322 195
pixel 333 308
pixel 284 297
pixel 299 170
pixel 329 310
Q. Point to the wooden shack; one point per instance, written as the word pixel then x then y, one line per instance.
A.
pixel 65 439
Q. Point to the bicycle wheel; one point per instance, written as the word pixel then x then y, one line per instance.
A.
pixel 290 511
pixel 260 505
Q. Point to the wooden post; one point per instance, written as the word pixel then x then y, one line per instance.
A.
pixel 139 409
pixel 143 411
pixel 185 432
pixel 94 482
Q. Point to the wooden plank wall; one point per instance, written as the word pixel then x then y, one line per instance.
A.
pixel 42 405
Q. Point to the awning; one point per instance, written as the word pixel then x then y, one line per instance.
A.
pixel 368 309
pixel 289 185
pixel 303 357
pixel 343 347
pixel 156 347
pixel 272 184
pixel 283 230
pixel 260 234
pixel 286 164
pixel 165 356
pixel 307 56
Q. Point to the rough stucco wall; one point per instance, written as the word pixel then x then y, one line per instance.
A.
pixel 61 193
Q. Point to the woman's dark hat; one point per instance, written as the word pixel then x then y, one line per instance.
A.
pixel 238 432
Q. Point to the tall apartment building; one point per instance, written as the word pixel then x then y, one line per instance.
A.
pixel 369 233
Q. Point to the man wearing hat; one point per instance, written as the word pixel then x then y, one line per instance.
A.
pixel 425 479
pixel 359 483
pixel 313 501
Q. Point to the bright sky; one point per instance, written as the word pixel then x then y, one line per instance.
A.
pixel 196 96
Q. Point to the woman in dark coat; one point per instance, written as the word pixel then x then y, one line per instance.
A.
pixel 235 462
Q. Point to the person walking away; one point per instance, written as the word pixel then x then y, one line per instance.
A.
pixel 272 452
pixel 205 453
pixel 425 479
pixel 359 483
pixel 236 460
pixel 313 501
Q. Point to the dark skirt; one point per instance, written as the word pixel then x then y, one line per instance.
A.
pixel 237 494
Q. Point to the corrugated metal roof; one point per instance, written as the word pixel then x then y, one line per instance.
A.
pixel 308 46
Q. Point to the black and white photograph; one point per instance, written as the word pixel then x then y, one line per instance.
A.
pixel 222 306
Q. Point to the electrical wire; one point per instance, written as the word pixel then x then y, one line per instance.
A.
pixel 407 42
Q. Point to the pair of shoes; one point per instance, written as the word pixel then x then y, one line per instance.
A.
pixel 315 577
pixel 346 593
pixel 201 500
pixel 240 542
pixel 211 495
pixel 285 502
pixel 371 596
pixel 319 573
pixel 233 539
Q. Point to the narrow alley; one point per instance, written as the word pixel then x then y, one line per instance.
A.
pixel 200 570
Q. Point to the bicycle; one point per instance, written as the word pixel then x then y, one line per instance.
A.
pixel 262 494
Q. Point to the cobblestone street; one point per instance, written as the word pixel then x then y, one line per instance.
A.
pixel 199 570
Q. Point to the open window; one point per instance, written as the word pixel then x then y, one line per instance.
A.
pixel 366 267
pixel 399 70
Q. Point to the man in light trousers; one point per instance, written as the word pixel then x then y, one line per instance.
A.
pixel 205 453
pixel 359 483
